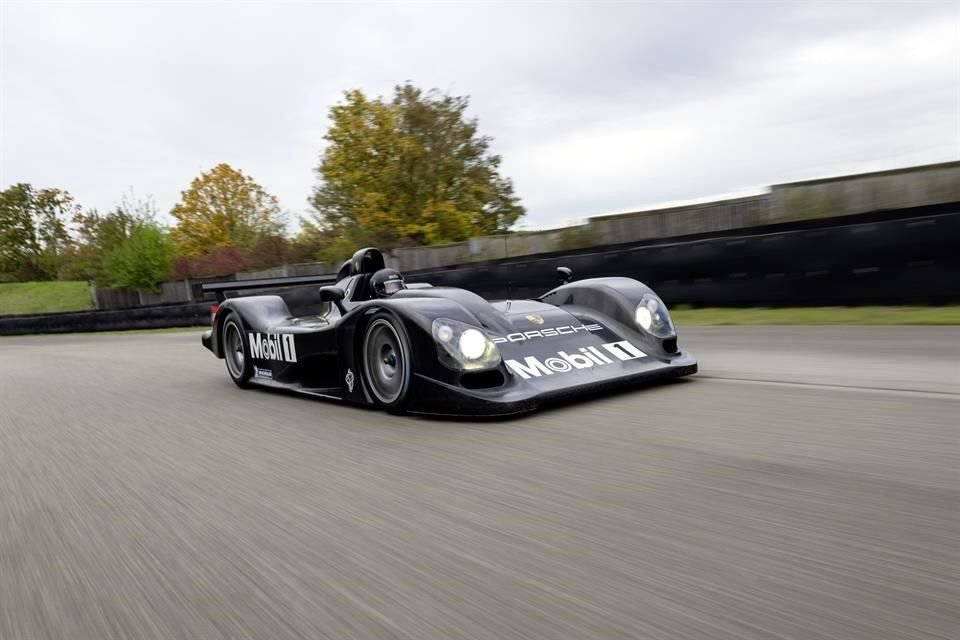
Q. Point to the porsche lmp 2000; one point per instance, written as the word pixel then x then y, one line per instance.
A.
pixel 372 339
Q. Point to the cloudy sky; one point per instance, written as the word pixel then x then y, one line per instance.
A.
pixel 595 107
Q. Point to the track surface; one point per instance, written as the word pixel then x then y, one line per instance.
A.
pixel 806 485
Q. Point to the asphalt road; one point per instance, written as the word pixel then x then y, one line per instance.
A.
pixel 805 485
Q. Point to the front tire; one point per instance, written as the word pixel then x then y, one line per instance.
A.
pixel 234 349
pixel 387 362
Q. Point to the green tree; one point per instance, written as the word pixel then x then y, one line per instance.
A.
pixel 17 232
pixel 97 236
pixel 412 170
pixel 142 261
pixel 224 208
pixel 33 230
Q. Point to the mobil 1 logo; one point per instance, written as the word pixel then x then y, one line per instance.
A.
pixel 273 346
pixel 587 358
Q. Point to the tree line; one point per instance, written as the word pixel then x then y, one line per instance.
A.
pixel 407 170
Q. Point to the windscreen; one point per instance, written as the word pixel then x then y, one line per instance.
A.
pixel 390 287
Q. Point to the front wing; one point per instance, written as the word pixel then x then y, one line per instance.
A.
pixel 519 394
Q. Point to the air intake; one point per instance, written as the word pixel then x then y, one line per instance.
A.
pixel 482 379
pixel 670 345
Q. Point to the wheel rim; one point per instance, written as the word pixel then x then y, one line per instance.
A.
pixel 383 360
pixel 233 350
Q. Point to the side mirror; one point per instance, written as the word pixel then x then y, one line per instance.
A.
pixel 334 294
pixel 565 274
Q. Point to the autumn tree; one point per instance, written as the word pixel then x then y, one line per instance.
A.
pixel 33 230
pixel 224 208
pixel 269 252
pixel 411 170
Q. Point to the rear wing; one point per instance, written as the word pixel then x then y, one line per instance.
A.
pixel 220 288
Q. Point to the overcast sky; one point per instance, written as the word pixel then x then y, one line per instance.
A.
pixel 595 107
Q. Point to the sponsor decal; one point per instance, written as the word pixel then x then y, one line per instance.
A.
pixel 263 373
pixel 568 330
pixel 563 362
pixel 273 346
pixel 349 379
pixel 535 319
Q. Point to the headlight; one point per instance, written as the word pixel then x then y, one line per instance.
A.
pixel 444 333
pixel 652 316
pixel 472 344
pixel 644 317
pixel 461 346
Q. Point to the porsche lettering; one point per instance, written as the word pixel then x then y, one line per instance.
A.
pixel 586 358
pixel 567 330
pixel 273 346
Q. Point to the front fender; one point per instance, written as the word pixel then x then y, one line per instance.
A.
pixel 417 315
pixel 614 298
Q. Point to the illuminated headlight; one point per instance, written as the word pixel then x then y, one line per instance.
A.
pixel 644 317
pixel 461 346
pixel 472 344
pixel 652 316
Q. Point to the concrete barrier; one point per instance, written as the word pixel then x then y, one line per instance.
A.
pixel 709 217
pixel 154 317
pixel 849 195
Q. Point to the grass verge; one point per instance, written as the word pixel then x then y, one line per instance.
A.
pixel 819 316
pixel 44 297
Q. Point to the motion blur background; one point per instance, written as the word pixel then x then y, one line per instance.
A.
pixel 800 157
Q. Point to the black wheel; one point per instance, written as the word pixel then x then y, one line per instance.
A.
pixel 386 358
pixel 233 345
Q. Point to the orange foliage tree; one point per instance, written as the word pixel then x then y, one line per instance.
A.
pixel 224 208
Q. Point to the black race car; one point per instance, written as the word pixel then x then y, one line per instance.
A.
pixel 372 339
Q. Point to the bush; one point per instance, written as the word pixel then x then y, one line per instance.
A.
pixel 221 261
pixel 142 262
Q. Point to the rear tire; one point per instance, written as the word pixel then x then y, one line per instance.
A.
pixel 233 345
pixel 387 362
